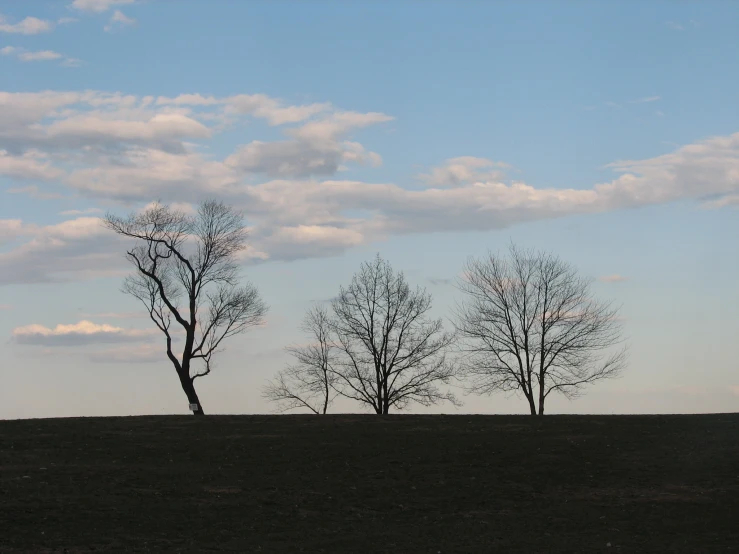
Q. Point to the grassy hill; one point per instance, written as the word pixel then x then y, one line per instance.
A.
pixel 356 483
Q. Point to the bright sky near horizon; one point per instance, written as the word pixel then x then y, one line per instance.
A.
pixel 604 132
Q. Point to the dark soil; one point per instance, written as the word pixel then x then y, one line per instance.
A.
pixel 365 483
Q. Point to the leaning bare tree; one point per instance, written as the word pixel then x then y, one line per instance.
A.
pixel 309 382
pixel 389 352
pixel 186 273
pixel 530 324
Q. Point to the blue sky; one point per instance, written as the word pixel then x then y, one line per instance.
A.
pixel 607 133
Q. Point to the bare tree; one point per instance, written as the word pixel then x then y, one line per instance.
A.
pixel 388 351
pixel 309 383
pixel 530 324
pixel 186 273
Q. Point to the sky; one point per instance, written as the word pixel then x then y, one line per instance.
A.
pixel 606 133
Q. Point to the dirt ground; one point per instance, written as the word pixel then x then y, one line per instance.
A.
pixel 364 483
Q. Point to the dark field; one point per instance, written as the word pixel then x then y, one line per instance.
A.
pixel 371 484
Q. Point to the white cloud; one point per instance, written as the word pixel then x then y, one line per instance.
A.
pixel 149 173
pixel 38 56
pixel 27 26
pixel 77 334
pixel 465 170
pixel 66 20
pixel 35 192
pixel 76 249
pixel 307 241
pixel 91 122
pixel 95 128
pixel 271 109
pixel 112 147
pixel 71 62
pixel 31 165
pixel 317 148
pixel 674 25
pixel 188 100
pixel 337 125
pixel 299 158
pixel 98 6
pixel 647 99
pixel 11 229
pixel 87 211
pixel 613 278
pixel 119 20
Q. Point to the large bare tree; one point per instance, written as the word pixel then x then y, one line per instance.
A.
pixel 530 324
pixel 388 351
pixel 186 273
pixel 309 382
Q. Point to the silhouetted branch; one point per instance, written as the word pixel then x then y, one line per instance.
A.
pixel 531 324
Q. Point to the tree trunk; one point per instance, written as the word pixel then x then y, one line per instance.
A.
pixel 541 398
pixel 532 405
pixel 189 387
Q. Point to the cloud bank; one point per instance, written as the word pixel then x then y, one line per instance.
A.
pixel 121 151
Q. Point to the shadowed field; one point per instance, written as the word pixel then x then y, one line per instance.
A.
pixel 361 483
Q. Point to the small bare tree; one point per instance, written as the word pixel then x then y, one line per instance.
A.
pixel 388 351
pixel 310 382
pixel 530 324
pixel 186 271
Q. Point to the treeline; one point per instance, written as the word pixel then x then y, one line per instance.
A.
pixel 526 322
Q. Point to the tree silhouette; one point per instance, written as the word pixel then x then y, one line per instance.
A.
pixel 530 324
pixel 186 273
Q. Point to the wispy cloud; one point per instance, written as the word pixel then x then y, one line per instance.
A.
pixel 87 211
pixel 647 99
pixel 66 20
pixel 38 56
pixel 616 278
pixel 119 20
pixel 27 26
pixel 98 6
pixel 78 334
pixel 465 170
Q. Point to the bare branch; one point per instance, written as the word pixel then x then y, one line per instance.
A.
pixel 529 323
pixel 310 383
pixel 190 259
pixel 389 352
